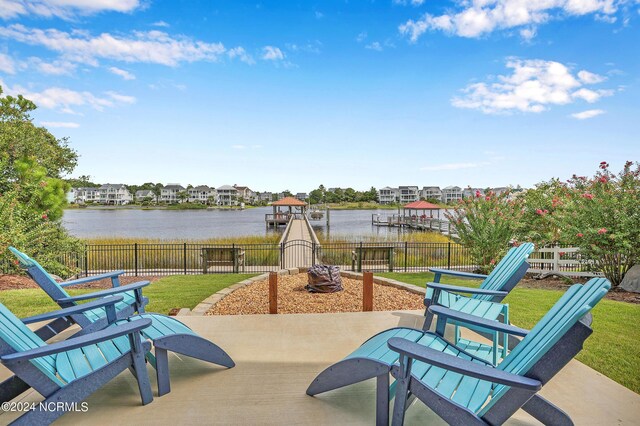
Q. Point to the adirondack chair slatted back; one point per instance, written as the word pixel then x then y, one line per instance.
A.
pixel 39 275
pixel 508 266
pixel 17 337
pixel 572 306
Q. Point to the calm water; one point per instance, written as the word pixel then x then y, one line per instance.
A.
pixel 202 224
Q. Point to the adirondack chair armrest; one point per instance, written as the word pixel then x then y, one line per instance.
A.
pixel 453 363
pixel 439 272
pixel 461 289
pixel 79 342
pixel 461 317
pixel 73 310
pixel 92 278
pixel 104 293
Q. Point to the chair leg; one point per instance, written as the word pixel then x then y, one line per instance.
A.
pixel 546 412
pixel 382 399
pixel 162 372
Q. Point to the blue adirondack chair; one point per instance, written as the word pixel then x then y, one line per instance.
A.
pixel 71 370
pixel 166 333
pixel 553 342
pixel 483 301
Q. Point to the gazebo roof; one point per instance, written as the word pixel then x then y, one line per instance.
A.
pixel 289 201
pixel 420 205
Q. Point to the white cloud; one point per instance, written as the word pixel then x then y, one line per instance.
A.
pixel 374 46
pixel 590 78
pixel 590 113
pixel 161 24
pixel 271 53
pixel 240 53
pixel 528 34
pixel 361 37
pixel 475 18
pixel 59 67
pixel 532 87
pixel 239 146
pixel 64 100
pixel 122 73
pixel 453 166
pixel 60 124
pixel 406 2
pixel 150 46
pixel 65 9
pixel 7 64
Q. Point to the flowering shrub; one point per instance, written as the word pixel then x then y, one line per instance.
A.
pixel 486 225
pixel 601 216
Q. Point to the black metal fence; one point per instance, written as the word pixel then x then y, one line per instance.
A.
pixel 168 259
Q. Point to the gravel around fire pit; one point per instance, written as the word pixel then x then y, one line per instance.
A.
pixel 294 299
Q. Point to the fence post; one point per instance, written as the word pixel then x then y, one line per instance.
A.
pixel 405 255
pixel 273 292
pixel 281 255
pixel 86 260
pixel 449 255
pixel 184 255
pixel 367 292
pixel 360 258
pixel 135 258
pixel 556 258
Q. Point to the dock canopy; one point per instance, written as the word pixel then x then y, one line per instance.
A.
pixel 289 202
pixel 284 208
pixel 417 206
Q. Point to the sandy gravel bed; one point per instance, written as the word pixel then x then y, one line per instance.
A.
pixel 294 299
pixel 18 282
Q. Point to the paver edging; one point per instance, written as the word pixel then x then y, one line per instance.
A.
pixel 210 301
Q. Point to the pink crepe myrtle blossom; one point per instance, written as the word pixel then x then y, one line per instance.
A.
pixel 588 196
pixel 579 235
pixel 604 165
pixel 602 231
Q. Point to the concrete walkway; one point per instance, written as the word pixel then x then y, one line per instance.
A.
pixel 278 356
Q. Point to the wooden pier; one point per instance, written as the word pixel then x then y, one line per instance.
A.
pixel 419 223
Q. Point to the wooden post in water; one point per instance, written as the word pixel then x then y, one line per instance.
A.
pixel 273 292
pixel 367 292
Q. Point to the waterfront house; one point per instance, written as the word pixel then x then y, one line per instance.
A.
pixel 245 193
pixel 169 193
pixel 387 195
pixel 499 190
pixel 116 194
pixel 83 195
pixel 471 192
pixel 408 194
pixel 143 194
pixel 431 193
pixel 302 196
pixel 265 197
pixel 202 194
pixel 227 195
pixel 451 194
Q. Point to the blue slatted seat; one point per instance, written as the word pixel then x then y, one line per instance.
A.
pixel 166 333
pixel 471 398
pixel 70 370
pixel 504 277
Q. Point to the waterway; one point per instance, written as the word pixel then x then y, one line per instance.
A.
pixel 203 224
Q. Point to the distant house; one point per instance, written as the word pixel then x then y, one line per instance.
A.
pixel 116 194
pixel 471 192
pixel 408 194
pixel 83 195
pixel 265 197
pixel 431 193
pixel 302 196
pixel 143 194
pixel 451 194
pixel 227 195
pixel 169 193
pixel 387 195
pixel 201 194
pixel 245 193
pixel 500 190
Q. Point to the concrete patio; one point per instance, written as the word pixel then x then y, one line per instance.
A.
pixel 278 356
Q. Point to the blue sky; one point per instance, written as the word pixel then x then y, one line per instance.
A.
pixel 289 95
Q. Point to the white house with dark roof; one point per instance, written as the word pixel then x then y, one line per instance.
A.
pixel 143 194
pixel 83 195
pixel 169 193
pixel 408 194
pixel 471 192
pixel 116 194
pixel 451 194
pixel 387 195
pixel 227 195
pixel 201 194
pixel 431 193
pixel 245 193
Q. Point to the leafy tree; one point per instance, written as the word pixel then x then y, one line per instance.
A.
pixel 182 196
pixel 486 225
pixel 157 191
pixel 32 193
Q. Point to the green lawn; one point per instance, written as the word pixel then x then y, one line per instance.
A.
pixel 178 291
pixel 612 349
